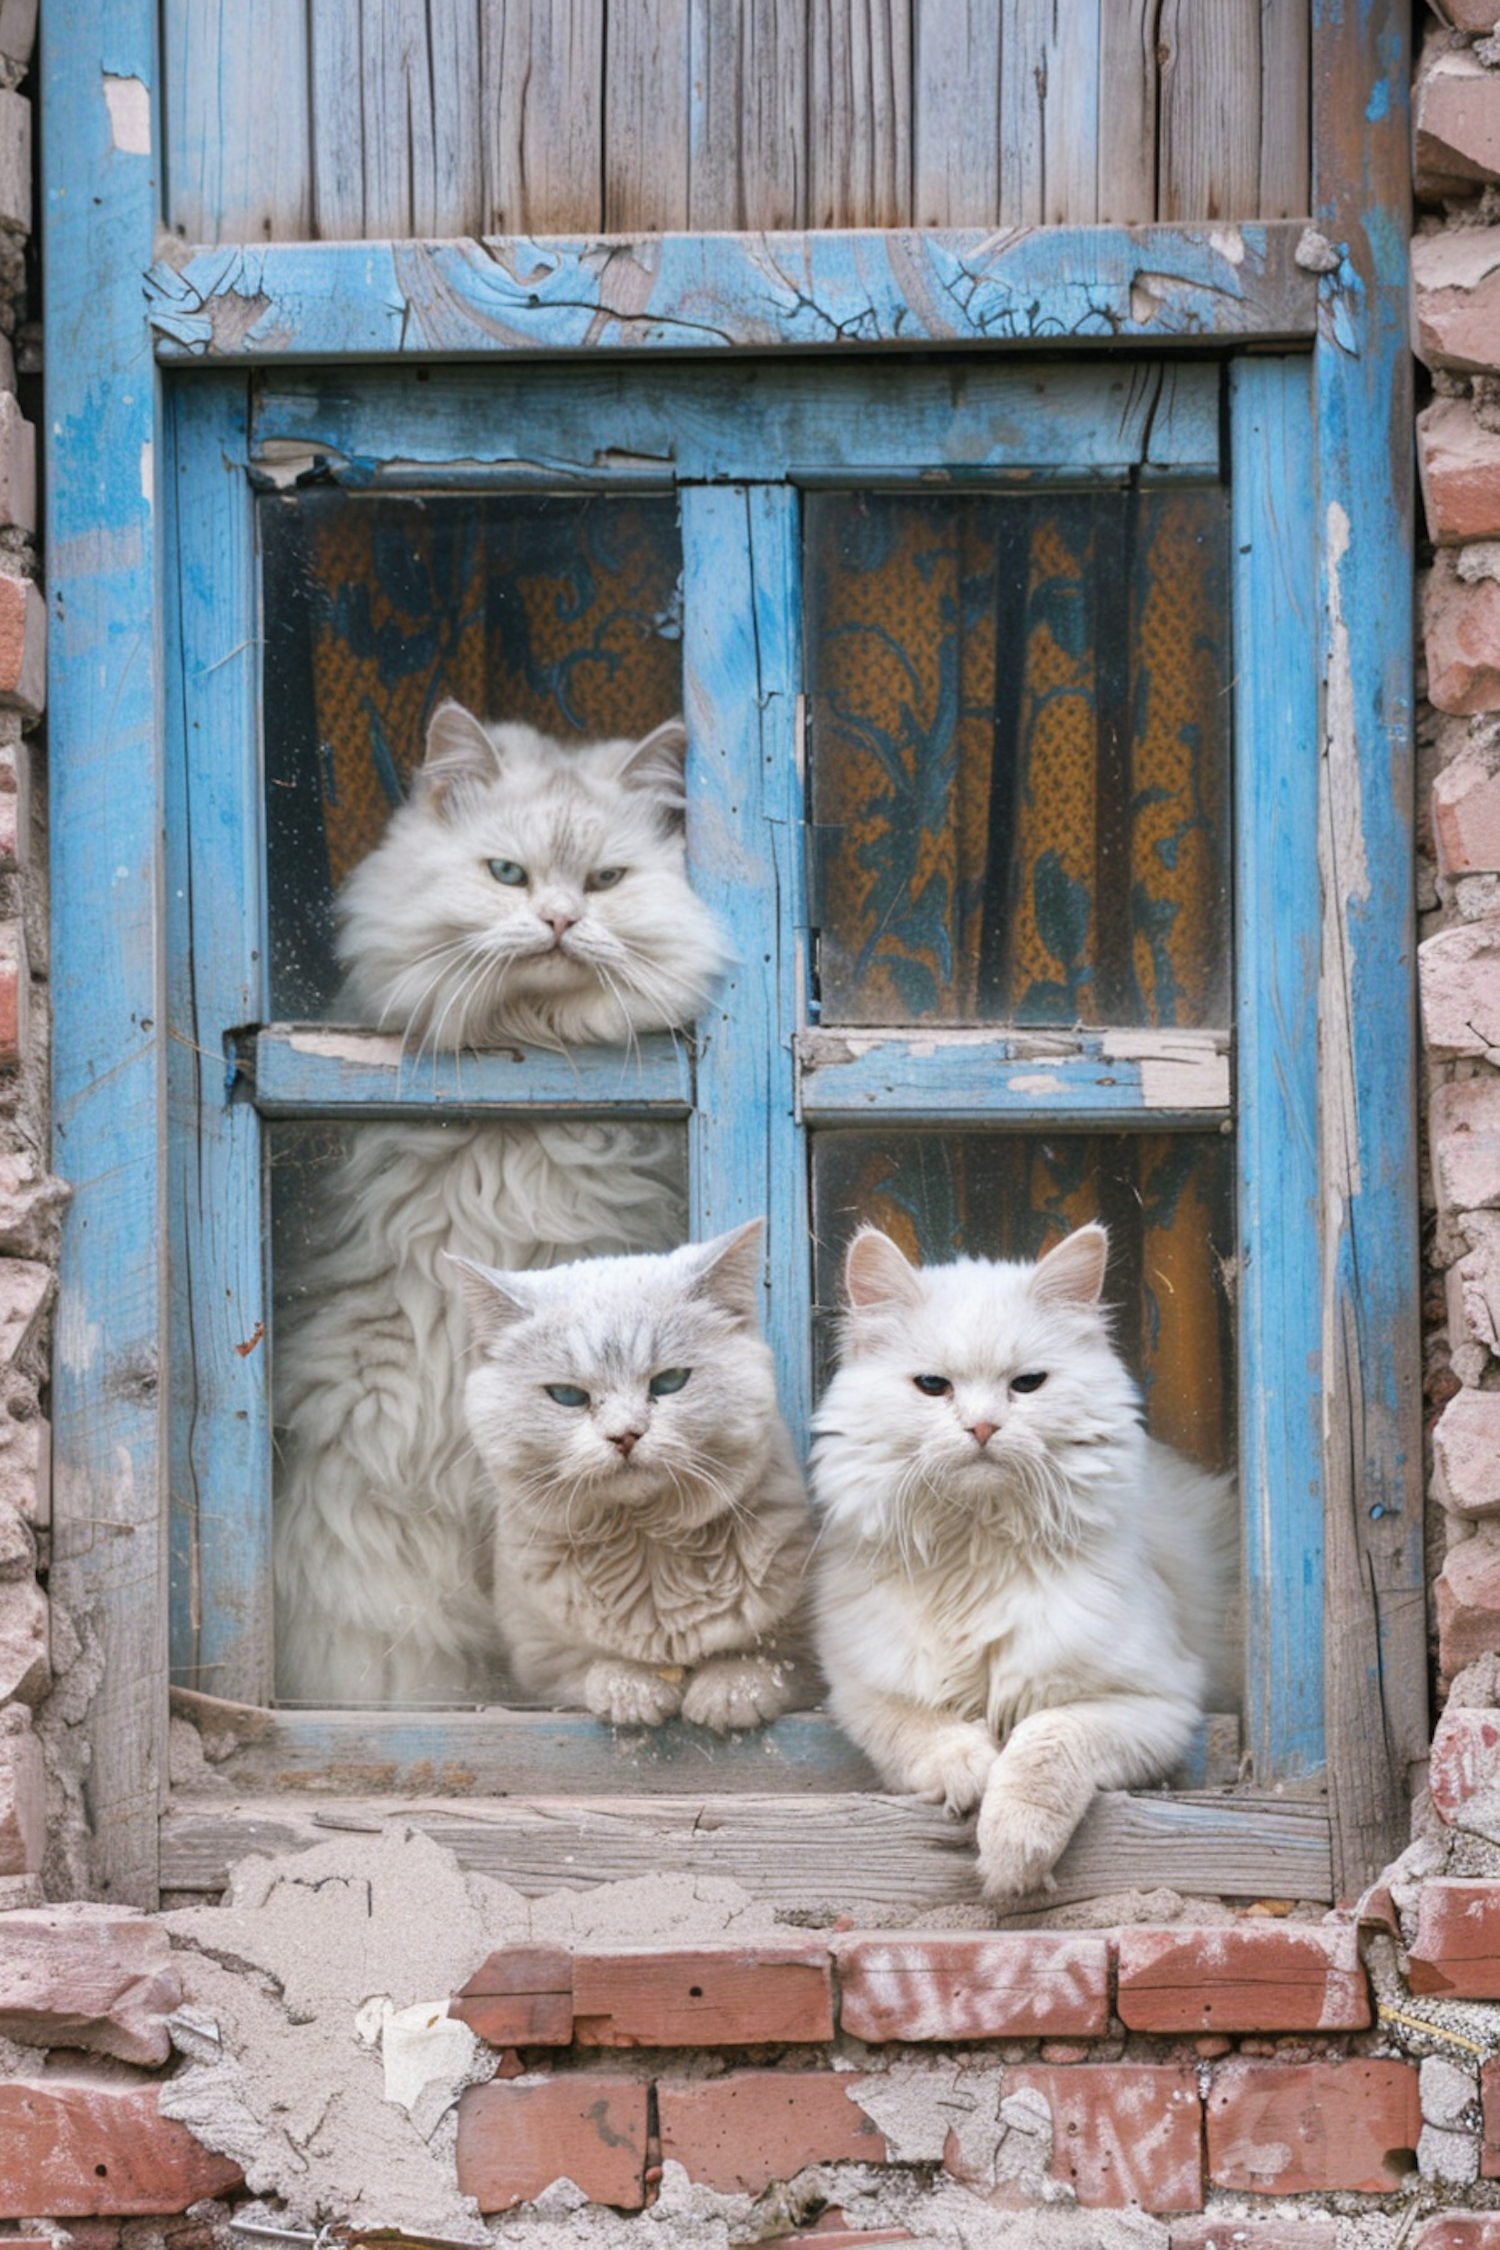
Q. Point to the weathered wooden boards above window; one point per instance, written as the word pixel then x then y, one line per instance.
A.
pixel 300 120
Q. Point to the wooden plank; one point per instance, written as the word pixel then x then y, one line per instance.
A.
pixel 1210 109
pixel 1376 1611
pixel 419 133
pixel 859 113
pixel 747 120
pixel 741 663
pixel 818 1856
pixel 220 1449
pixel 706 294
pixel 956 113
pixel 239 164
pixel 541 91
pixel 108 1081
pixel 716 421
pixel 1285 111
pixel 466 1753
pixel 1128 72
pixel 320 1071
pixel 646 109
pixel 1280 1398
pixel 1049 113
pixel 335 45
pixel 967 1077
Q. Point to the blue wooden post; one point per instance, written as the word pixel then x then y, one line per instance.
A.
pixel 1377 1652
pixel 104 694
pixel 1276 1047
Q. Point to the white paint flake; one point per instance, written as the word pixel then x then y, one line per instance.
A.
pixel 129 103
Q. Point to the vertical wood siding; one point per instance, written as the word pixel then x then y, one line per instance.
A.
pixel 422 118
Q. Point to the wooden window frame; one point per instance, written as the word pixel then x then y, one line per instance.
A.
pixel 1324 1029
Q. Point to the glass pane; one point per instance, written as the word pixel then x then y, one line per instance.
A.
pixel 1019 754
pixel 563 612
pixel 369 1347
pixel 1166 1198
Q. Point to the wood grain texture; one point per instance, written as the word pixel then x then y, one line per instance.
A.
pixel 1375 1601
pixel 968 1078
pixel 1210 108
pixel 221 1457
pixel 731 292
pixel 420 137
pixel 646 106
pixel 1129 73
pixel 1280 1402
pixel 335 45
pixel 238 121
pixel 1049 113
pixel 541 90
pixel 955 106
pixel 741 668
pixel 317 1071
pixel 819 1856
pixel 1285 110
pixel 104 719
pixel 707 422
pixel 859 113
pixel 747 114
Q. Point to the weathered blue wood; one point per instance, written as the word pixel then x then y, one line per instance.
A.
pixel 706 422
pixel 692 293
pixel 1276 1045
pixel 741 670
pixel 850 1077
pixel 221 1447
pixel 317 1070
pixel 108 1551
pixel 1376 1614
pixel 525 1753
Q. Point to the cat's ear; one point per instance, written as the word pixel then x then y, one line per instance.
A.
pixel 728 1270
pixel 1073 1272
pixel 493 1301
pixel 655 766
pixel 876 1273
pixel 458 751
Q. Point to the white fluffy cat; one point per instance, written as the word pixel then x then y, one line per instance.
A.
pixel 651 1531
pixel 1016 1588
pixel 528 891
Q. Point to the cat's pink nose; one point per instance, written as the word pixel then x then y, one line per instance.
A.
pixel 625 1440
pixel 559 924
pixel 982 1432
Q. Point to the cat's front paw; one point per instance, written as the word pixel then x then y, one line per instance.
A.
pixel 732 1692
pixel 1020 1841
pixel 953 1767
pixel 631 1695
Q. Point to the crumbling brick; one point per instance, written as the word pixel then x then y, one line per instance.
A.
pixel 1466 815
pixel 1456 298
pixel 1253 1977
pixel 1457 1946
pixel 1456 114
pixel 1466 1453
pixel 78 2146
pixel 713 1996
pixel 1468 1603
pixel 1458 972
pixel 95 1977
pixel 1459 462
pixel 1016 1985
pixel 740 2132
pixel 1123 2134
pixel 1461 629
pixel 25 1658
pixel 516 2137
pixel 23 644
pixel 23 1796
pixel 1279 2128
pixel 522 1996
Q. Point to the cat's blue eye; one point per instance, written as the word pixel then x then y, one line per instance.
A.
pixel 1031 1382
pixel 935 1386
pixel 507 871
pixel 670 1379
pixel 604 878
pixel 566 1394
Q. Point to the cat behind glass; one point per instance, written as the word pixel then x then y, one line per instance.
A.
pixel 1016 1589
pixel 651 1531
pixel 527 890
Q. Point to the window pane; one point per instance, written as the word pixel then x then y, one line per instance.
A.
pixel 1167 1199
pixel 1019 755
pixel 560 611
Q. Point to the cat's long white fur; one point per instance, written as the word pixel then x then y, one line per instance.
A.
pixel 650 1550
pixel 380 1553
pixel 1011 1620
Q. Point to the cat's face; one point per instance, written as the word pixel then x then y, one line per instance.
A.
pixel 974 1379
pixel 530 890
pixel 619 1382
